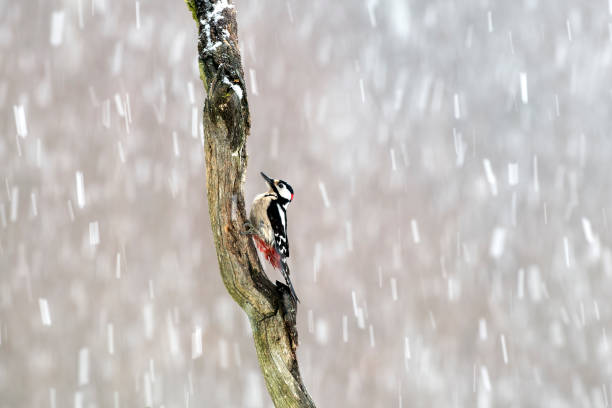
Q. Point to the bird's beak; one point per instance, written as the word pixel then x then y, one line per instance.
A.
pixel 268 179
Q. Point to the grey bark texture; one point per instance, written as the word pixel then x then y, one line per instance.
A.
pixel 269 307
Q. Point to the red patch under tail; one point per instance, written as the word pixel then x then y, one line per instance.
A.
pixel 268 252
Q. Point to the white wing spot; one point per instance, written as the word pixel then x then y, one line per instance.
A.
pixel 282 216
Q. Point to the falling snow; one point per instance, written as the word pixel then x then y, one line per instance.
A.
pixel 196 343
pixel 490 175
pixel 80 188
pixel 20 120
pixel 57 28
pixel 323 191
pixel 45 315
pixel 450 233
pixel 524 94
pixel 513 174
pixel 498 240
pixel 83 366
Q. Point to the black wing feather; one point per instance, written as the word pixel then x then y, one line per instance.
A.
pixel 276 213
pixel 280 231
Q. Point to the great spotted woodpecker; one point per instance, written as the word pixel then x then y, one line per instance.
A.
pixel 268 225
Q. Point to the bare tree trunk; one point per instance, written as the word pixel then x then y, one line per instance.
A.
pixel 271 309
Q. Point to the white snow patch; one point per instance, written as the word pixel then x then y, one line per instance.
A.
pixel 214 46
pixel 235 87
pixel 207 31
pixel 221 5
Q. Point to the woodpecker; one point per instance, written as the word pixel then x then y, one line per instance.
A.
pixel 268 225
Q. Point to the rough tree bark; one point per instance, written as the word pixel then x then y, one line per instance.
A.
pixel 270 308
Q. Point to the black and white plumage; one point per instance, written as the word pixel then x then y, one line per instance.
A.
pixel 278 219
pixel 268 225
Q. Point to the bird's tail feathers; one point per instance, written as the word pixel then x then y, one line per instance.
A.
pixel 285 271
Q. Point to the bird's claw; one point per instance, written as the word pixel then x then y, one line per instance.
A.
pixel 250 230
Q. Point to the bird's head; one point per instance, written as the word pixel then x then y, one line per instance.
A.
pixel 280 187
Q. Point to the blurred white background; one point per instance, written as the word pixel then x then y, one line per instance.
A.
pixel 450 238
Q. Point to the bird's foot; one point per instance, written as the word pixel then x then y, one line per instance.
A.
pixel 250 230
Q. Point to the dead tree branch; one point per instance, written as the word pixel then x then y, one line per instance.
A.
pixel 271 309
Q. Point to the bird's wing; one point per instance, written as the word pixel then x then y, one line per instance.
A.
pixel 278 219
